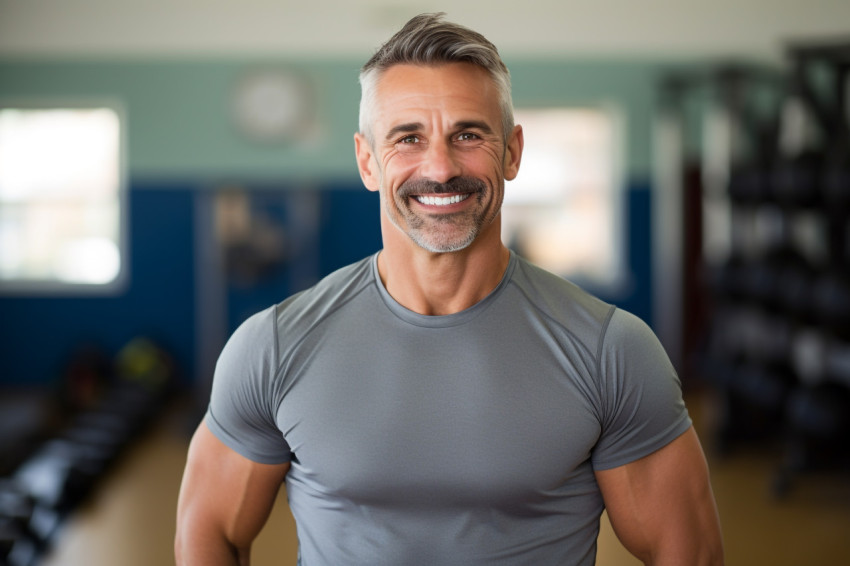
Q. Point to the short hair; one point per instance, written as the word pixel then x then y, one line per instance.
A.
pixel 429 40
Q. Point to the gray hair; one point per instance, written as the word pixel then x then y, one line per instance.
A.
pixel 428 40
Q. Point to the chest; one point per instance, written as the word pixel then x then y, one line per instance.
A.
pixel 432 416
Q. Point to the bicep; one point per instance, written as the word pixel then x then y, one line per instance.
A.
pixel 225 498
pixel 662 507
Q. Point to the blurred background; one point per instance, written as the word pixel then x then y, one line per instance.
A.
pixel 168 168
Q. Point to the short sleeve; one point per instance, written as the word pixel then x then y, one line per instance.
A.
pixel 642 405
pixel 241 412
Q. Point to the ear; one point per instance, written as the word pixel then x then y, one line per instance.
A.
pixel 366 163
pixel 513 153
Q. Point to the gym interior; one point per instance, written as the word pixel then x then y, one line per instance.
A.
pixel 168 169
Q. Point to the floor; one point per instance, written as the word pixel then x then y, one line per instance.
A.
pixel 130 520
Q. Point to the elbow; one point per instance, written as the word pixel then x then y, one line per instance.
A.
pixel 709 553
pixel 714 555
pixel 709 557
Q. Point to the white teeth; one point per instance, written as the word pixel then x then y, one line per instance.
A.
pixel 440 201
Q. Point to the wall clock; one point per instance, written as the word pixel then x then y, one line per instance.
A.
pixel 272 106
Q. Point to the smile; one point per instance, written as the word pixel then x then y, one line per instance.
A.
pixel 440 201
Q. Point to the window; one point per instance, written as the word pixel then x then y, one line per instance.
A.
pixel 61 199
pixel 562 210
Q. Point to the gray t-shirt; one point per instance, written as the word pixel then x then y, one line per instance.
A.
pixel 467 439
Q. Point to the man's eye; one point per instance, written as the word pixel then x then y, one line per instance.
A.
pixel 409 139
pixel 467 136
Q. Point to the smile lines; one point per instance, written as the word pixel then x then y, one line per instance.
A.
pixel 440 201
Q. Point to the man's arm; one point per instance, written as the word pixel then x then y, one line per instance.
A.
pixel 662 508
pixel 225 500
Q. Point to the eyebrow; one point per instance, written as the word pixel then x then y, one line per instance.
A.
pixel 408 128
pixel 411 127
pixel 483 127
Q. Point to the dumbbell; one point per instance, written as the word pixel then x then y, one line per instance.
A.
pixel 18 544
pixel 835 178
pixel 61 473
pixel 721 346
pixel 820 357
pixel 724 280
pixel 761 279
pixel 108 429
pixel 16 548
pixel 831 301
pixel 796 288
pixel 134 402
pixel 817 421
pixel 763 386
pixel 749 333
pixel 767 337
pixel 821 411
pixel 749 183
pixel 796 181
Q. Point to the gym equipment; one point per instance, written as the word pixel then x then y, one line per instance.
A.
pixel 776 348
pixel 85 377
pixel 835 178
pixel 819 422
pixel 819 357
pixel 19 544
pixel 61 472
pixel 831 301
pixel 796 174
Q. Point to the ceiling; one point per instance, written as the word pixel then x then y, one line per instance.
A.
pixel 340 28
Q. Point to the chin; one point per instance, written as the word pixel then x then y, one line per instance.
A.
pixel 454 245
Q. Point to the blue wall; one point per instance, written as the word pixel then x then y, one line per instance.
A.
pixel 39 334
pixel 347 229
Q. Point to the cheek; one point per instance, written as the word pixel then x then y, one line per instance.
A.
pixel 488 169
pixel 485 160
pixel 399 167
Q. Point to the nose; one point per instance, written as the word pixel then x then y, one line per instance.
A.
pixel 440 162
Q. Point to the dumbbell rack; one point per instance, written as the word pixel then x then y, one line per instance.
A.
pixel 61 472
pixel 777 346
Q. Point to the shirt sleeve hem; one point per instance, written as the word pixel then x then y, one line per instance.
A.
pixel 659 441
pixel 231 442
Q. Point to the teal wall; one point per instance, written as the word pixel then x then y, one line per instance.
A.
pixel 178 123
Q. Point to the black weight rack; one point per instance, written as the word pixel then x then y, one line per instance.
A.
pixel 775 260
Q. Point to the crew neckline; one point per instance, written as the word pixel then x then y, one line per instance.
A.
pixel 446 320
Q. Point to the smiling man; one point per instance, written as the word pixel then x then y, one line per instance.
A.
pixel 445 402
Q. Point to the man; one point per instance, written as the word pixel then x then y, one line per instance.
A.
pixel 445 402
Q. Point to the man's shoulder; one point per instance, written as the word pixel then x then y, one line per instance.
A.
pixel 561 299
pixel 327 295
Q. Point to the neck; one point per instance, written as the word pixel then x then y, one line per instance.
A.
pixel 442 283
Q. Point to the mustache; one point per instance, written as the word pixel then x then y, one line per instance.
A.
pixel 424 186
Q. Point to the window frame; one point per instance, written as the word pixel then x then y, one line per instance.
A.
pixel 620 278
pixel 40 287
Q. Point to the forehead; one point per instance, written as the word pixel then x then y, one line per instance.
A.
pixel 455 91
